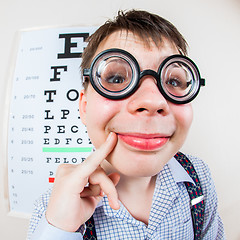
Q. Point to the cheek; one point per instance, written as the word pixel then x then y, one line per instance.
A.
pixel 100 111
pixel 183 116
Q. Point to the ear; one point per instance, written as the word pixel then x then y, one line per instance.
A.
pixel 83 106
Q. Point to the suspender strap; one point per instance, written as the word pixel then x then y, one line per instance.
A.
pixel 90 233
pixel 195 194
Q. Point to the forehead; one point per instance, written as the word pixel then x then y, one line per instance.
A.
pixel 139 48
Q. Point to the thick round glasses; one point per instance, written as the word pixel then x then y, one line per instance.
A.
pixel 115 74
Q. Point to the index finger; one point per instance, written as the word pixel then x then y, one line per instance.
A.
pixel 95 159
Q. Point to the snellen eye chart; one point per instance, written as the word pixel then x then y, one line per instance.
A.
pixel 45 128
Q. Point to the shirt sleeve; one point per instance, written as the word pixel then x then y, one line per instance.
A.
pixel 212 225
pixel 46 231
pixel 40 229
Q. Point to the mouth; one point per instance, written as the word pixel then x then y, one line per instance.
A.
pixel 146 142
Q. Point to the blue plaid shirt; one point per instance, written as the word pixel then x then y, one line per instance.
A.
pixel 170 216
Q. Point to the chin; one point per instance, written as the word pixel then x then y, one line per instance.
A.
pixel 138 164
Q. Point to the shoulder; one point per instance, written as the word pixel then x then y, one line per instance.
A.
pixel 44 198
pixel 40 207
pixel 204 174
pixel 200 166
pixel 212 226
pixel 40 204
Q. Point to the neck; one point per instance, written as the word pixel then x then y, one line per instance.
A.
pixel 136 185
pixel 131 184
pixel 135 193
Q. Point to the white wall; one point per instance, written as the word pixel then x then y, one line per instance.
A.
pixel 212 29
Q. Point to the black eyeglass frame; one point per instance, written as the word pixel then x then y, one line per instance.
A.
pixel 140 74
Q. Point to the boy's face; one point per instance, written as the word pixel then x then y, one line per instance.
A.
pixel 150 129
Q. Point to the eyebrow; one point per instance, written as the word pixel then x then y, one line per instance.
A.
pixel 159 62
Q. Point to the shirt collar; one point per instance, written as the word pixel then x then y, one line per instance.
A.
pixel 178 172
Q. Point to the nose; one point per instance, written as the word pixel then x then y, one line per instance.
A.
pixel 148 100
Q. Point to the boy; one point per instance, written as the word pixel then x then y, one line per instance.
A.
pixel 138 86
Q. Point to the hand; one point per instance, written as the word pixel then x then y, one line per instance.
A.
pixel 72 203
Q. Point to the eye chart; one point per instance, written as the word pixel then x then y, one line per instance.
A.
pixel 45 128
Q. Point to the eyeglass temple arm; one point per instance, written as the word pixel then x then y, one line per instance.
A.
pixel 86 72
pixel 202 82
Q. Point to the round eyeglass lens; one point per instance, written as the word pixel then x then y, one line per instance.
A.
pixel 113 74
pixel 179 80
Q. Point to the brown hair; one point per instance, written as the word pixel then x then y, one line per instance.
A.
pixel 142 23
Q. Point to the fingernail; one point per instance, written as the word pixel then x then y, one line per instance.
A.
pixel 117 206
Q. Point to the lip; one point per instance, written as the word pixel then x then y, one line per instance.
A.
pixel 146 142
